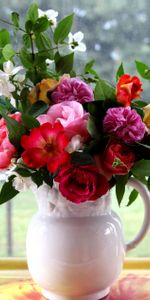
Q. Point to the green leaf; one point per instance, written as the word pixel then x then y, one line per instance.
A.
pixel 120 71
pixel 92 128
pixel 141 178
pixel 15 129
pixel 47 177
pixel 148 183
pixel 29 121
pixel 64 64
pixel 33 75
pixel 26 58
pixel 32 13
pixel 141 168
pixel 139 103
pixel 8 191
pixel 2 105
pixel 24 99
pixel 29 26
pixel 15 19
pixel 37 178
pixel 95 108
pixel 4 38
pixel 104 90
pixel 8 52
pixel 143 69
pixel 88 66
pixel 43 42
pixel 121 181
pixel 90 74
pixel 23 172
pixel 41 24
pixel 132 197
pixel 44 45
pixel 26 40
pixel 6 106
pixel 39 60
pixel 38 108
pixel 63 28
pixel 82 158
pixel 139 110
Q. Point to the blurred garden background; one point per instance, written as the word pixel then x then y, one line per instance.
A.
pixel 115 31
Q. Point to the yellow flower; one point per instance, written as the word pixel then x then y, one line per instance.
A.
pixel 42 91
pixel 146 119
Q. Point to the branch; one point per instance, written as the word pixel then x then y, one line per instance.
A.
pixel 9 23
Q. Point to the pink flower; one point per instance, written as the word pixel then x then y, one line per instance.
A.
pixel 7 150
pixel 72 89
pixel 81 183
pixel 124 124
pixel 71 116
pixel 45 146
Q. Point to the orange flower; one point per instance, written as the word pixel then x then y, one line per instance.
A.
pixel 146 119
pixel 41 91
pixel 128 88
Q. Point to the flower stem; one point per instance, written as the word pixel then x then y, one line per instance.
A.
pixel 9 23
pixel 32 46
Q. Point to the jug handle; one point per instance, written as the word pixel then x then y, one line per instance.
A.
pixel 145 194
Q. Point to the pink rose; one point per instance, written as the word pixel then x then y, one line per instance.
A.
pixel 72 117
pixel 72 89
pixel 7 150
pixel 81 183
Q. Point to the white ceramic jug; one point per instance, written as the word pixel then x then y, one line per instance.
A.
pixel 76 252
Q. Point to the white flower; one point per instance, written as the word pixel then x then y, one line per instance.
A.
pixel 6 87
pixel 49 61
pixel 9 68
pixel 22 184
pixel 75 43
pixel 19 77
pixel 75 144
pixel 51 15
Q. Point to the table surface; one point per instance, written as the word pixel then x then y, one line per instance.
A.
pixel 17 285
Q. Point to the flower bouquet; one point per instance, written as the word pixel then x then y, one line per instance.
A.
pixel 57 126
pixel 75 134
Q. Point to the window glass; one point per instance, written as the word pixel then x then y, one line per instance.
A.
pixel 115 31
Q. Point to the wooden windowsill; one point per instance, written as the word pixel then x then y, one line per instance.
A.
pixel 15 280
pixel 21 264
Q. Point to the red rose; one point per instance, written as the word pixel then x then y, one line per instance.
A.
pixel 128 88
pixel 116 159
pixel 81 183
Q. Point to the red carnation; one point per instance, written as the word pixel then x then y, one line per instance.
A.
pixel 45 146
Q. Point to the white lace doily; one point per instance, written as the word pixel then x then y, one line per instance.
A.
pixel 51 202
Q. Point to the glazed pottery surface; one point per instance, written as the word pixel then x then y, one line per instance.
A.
pixel 75 251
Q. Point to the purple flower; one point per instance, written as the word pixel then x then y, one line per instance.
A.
pixel 72 89
pixel 125 124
